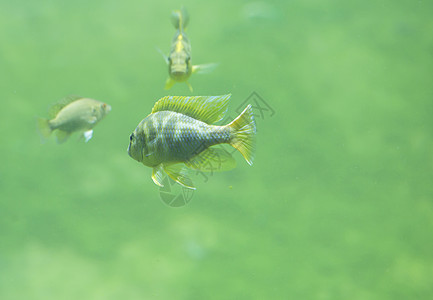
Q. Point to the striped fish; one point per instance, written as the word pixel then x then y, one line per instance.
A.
pixel 178 133
pixel 179 63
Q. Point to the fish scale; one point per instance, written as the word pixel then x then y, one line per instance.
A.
pixel 181 137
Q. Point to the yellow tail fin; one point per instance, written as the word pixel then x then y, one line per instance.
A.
pixel 44 127
pixel 244 136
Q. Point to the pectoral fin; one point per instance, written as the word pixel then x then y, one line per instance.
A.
pixel 212 160
pixel 87 135
pixel 204 69
pixel 163 54
pixel 178 174
pixel 189 86
pixel 169 83
pixel 158 175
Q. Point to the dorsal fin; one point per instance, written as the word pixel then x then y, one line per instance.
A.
pixel 209 109
pixel 56 107
pixel 180 19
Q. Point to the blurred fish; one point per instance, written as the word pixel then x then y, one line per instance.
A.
pixel 259 10
pixel 178 133
pixel 72 114
pixel 179 63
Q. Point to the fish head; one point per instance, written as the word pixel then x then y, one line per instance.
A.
pixel 141 145
pixel 136 146
pixel 179 67
pixel 100 110
pixel 106 108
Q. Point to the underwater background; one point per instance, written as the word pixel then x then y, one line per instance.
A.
pixel 337 205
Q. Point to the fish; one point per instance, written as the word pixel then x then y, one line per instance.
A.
pixel 179 62
pixel 73 114
pixel 178 136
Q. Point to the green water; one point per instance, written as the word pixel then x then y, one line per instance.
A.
pixel 338 203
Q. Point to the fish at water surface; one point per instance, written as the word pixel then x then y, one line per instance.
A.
pixel 179 132
pixel 73 114
pixel 179 62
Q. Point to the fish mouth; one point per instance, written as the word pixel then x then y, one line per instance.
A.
pixel 106 107
pixel 178 70
pixel 129 150
pixel 179 75
pixel 139 159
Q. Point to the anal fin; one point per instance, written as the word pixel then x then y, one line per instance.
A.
pixel 62 136
pixel 178 174
pixel 163 54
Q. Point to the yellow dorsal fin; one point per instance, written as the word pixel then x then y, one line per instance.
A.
pixel 56 107
pixel 209 109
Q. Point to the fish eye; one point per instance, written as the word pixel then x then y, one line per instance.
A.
pixel 131 137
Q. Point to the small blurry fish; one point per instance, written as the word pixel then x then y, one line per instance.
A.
pixel 179 63
pixel 178 133
pixel 260 10
pixel 72 114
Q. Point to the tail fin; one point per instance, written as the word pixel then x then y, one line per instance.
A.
pixel 244 136
pixel 44 127
pixel 180 19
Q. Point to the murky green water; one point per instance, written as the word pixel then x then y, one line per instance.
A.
pixel 339 201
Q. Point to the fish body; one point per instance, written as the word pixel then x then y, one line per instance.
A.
pixel 179 132
pixel 73 114
pixel 179 62
pixel 171 137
